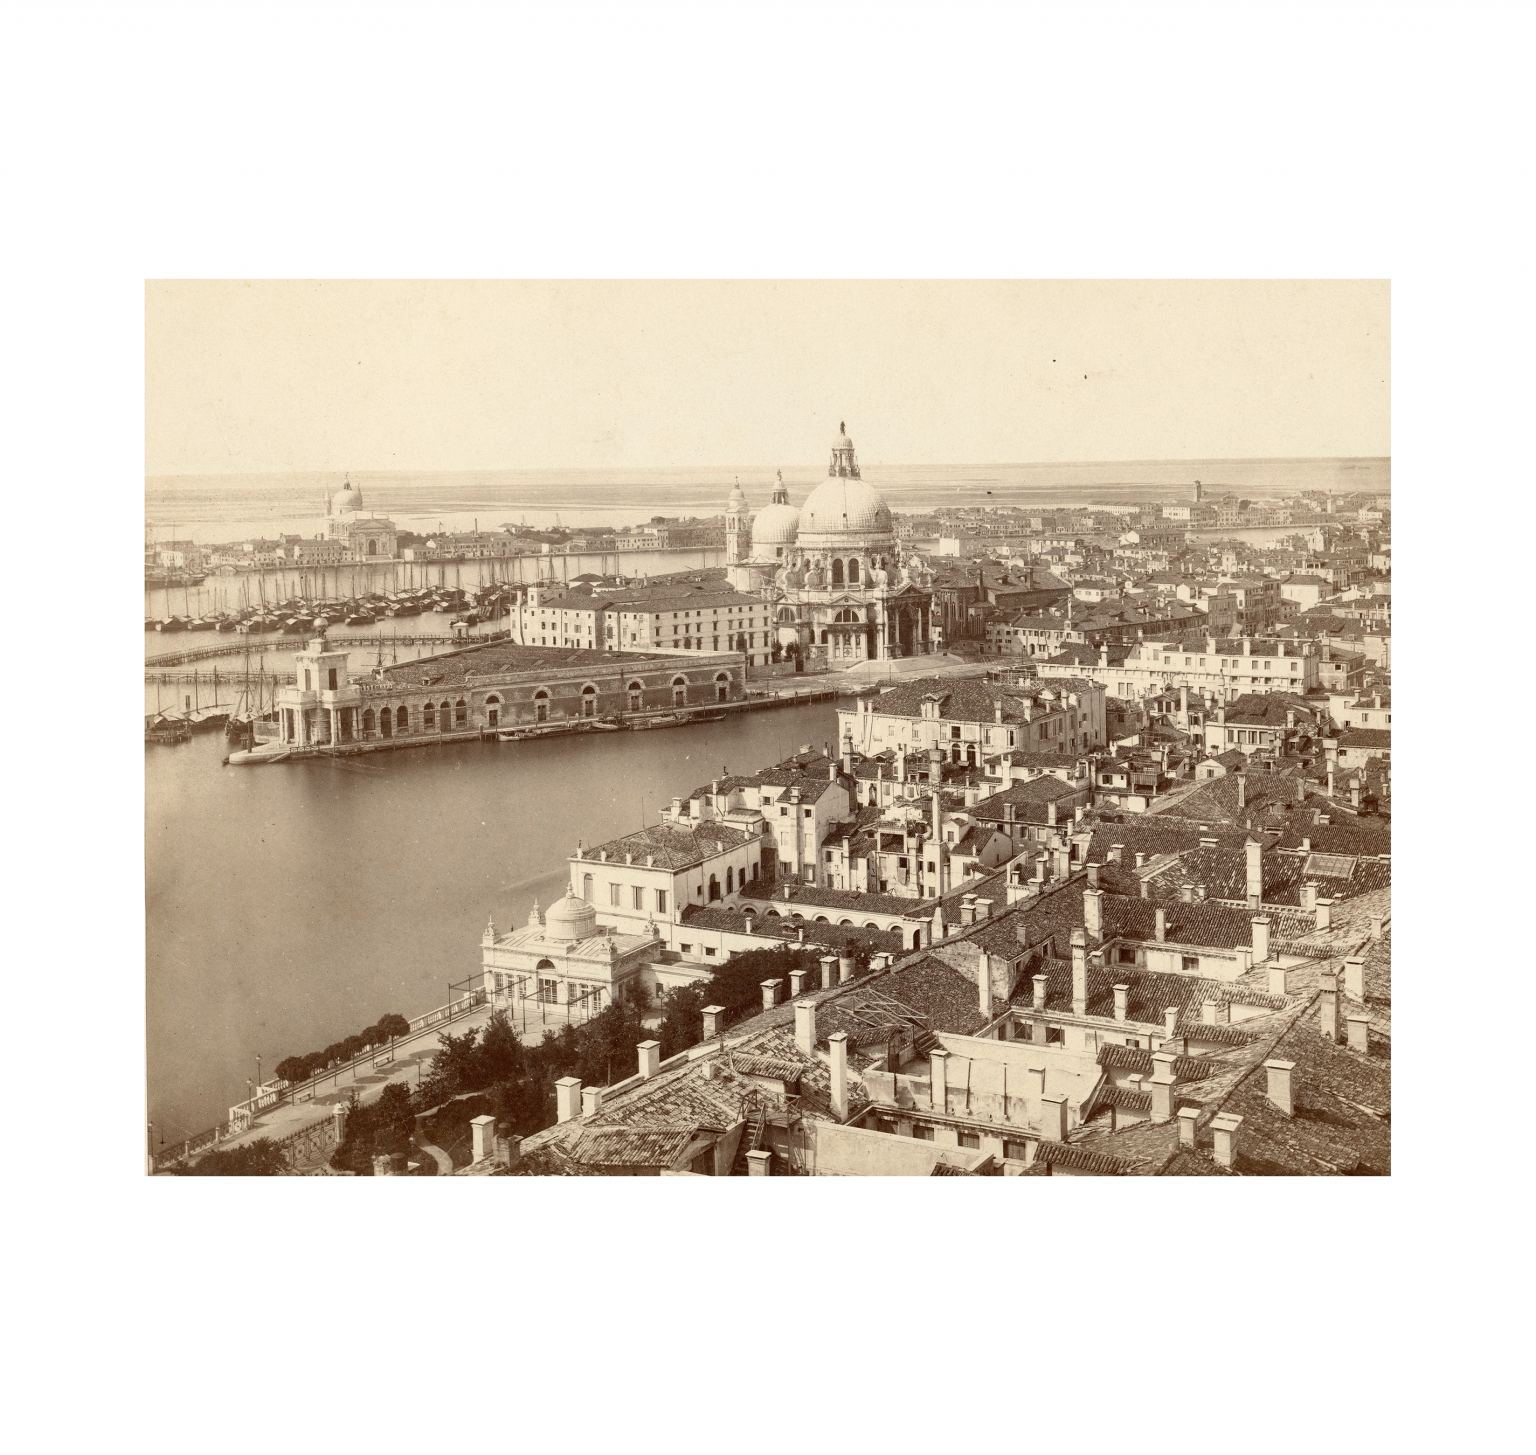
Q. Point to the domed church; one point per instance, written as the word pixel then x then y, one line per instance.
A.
pixel 840 588
pixel 365 537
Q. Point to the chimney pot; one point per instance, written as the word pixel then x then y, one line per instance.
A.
pixel 1354 977
pixel 650 1058
pixel 771 993
pixel 591 1102
pixel 1359 1033
pixel 1041 983
pixel 828 971
pixel 567 1098
pixel 714 1021
pixel 837 1044
pixel 1170 1022
pixel 1189 1119
pixel 1279 1085
pixel 1328 1010
pixel 805 1027
pixel 1224 1133
pixel 1161 928
pixel 1162 1085
pixel 1122 1001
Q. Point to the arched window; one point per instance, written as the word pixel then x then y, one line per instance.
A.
pixel 846 616
pixel 429 717
pixel 679 691
pixel 386 723
pixel 837 572
pixel 845 923
pixel 460 713
pixel 589 701
pixel 402 720
pixel 373 548
pixel 853 573
pixel 722 687
pixel 444 716
pixel 871 926
pixel 917 939
pixel 493 710
pixel 714 888
pixel 636 696
pixel 368 722
pixel 823 636
pixel 541 706
pixel 772 912
pixel 730 879
pixel 821 919
pixel 786 613
pixel 586 887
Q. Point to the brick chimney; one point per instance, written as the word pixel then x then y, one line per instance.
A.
pixel 1378 921
pixel 650 1058
pixel 1278 1085
pixel 483 1132
pixel 714 1021
pixel 1079 973
pixel 1260 924
pixel 1093 913
pixel 796 983
pixel 1324 914
pixel 1253 854
pixel 1053 1117
pixel 771 993
pixel 1278 979
pixel 1354 977
pixel 1359 1033
pixel 1122 1001
pixel 828 971
pixel 759 1163
pixel 1161 1085
pixel 1328 1010
pixel 837 1044
pixel 591 1101
pixel 1189 1119
pixel 567 1098
pixel 1224 1134
pixel 1041 983
pixel 1170 1022
pixel 805 1027
pixel 984 983
pixel 1161 930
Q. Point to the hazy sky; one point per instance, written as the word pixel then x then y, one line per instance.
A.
pixel 277 376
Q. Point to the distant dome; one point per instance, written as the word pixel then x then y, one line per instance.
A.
pixel 842 442
pixel 736 501
pixel 346 500
pixel 570 919
pixel 843 506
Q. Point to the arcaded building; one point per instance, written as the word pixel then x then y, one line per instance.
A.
pixel 839 587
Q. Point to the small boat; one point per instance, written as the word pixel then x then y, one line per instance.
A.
pixel 165 730
pixel 226 624
pixel 171 624
pixel 295 627
pixel 360 618
pixel 201 624
pixel 674 719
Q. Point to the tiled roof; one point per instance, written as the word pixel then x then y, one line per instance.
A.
pixel 806 899
pixel 1366 738
pixel 672 846
pixel 1126 1058
pixel 1080 1159
pixel 1194 1029
pixel 499 658
pixel 627 1147
pixel 967 699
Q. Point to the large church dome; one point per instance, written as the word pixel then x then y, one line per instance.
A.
pixel 844 506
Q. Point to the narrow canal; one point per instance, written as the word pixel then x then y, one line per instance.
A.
pixel 291 905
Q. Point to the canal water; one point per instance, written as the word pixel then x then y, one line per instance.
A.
pixel 291 905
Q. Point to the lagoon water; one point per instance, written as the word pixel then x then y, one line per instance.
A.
pixel 291 905
pixel 211 508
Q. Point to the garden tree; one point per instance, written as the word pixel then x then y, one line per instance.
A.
pixel 455 1068
pixel 682 1025
pixel 376 1128
pixel 393 1025
pixel 522 1105
pixel 737 984
pixel 261 1158
pixel 607 1045
pixel 293 1068
pixel 501 1053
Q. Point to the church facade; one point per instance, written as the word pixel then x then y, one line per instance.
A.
pixel 360 537
pixel 840 587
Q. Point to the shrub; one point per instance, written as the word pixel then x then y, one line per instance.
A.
pixel 260 1158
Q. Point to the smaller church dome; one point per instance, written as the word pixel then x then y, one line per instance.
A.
pixel 346 500
pixel 570 919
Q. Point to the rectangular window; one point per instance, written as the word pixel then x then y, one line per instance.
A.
pixel 922 1133
pixel 971 1140
pixel 709 950
pixel 686 949
pixel 1191 964
pixel 661 901
pixel 1016 1151
pixel 332 678
pixel 639 897
pixel 613 894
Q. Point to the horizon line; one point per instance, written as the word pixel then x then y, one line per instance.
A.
pixel 905 464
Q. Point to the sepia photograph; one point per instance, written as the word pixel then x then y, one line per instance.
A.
pixel 753 729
